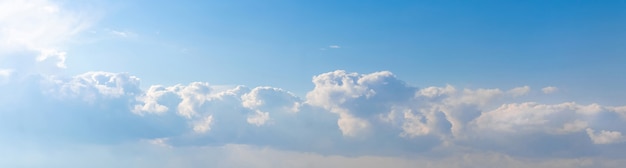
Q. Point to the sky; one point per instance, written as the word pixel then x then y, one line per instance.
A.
pixel 441 84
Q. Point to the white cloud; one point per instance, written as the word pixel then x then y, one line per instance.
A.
pixel 376 107
pixel 193 97
pixel 271 99
pixel 330 47
pixel 259 118
pixel 479 97
pixel 531 116
pixel 519 91
pixel 619 110
pixel 549 89
pixel 5 74
pixel 93 86
pixel 605 137
pixel 151 99
pixel 49 54
pixel 352 126
pixel 39 25
pixel 458 107
pixel 203 125
pixel 122 34
pixel 345 111
pixel 413 125
pixel 34 34
pixel 574 126
pixel 162 142
pixel 436 92
pixel 349 94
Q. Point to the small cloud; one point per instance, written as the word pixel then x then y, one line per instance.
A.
pixel 159 142
pixel 123 34
pixel 330 47
pixel 549 89
pixel 5 72
pixel 49 54
pixel 519 91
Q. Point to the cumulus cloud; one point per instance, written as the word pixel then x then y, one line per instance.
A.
pixel 203 124
pixel 358 98
pixel 573 126
pixel 564 118
pixel 413 125
pixel 345 113
pixel 271 99
pixel 258 118
pixel 605 137
pixel 94 86
pixel 153 98
pixel 371 117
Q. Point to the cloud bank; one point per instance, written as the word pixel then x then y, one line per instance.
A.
pixel 345 113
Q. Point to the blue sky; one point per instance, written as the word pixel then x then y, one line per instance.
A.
pixel 320 83
pixel 498 43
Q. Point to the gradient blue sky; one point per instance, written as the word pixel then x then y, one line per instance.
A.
pixel 576 45
pixel 322 83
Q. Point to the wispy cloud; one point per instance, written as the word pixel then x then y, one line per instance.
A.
pixel 549 89
pixel 331 47
pixel 122 34
pixel 38 24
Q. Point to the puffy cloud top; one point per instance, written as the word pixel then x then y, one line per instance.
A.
pixel 343 112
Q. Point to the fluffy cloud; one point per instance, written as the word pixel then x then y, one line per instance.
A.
pixel 534 124
pixel 53 54
pixel 346 113
pixel 605 137
pixel 265 99
pixel 371 117
pixel 532 116
pixel 358 98
pixel 94 86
